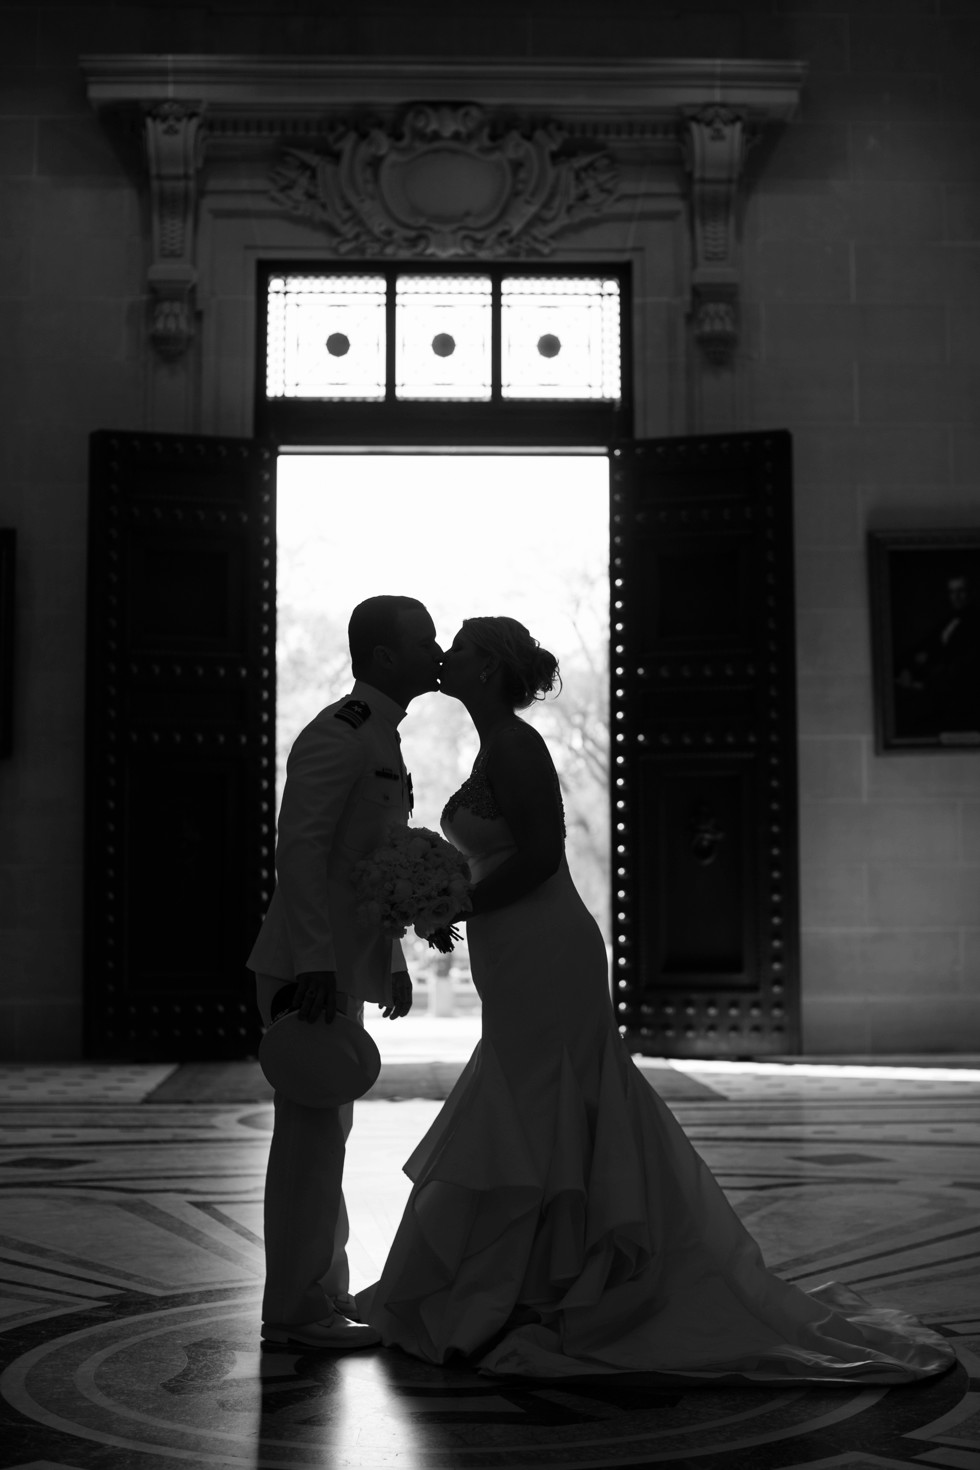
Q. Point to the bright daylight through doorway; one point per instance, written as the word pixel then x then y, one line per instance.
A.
pixel 522 535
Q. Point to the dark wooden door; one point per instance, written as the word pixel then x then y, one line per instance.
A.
pixel 180 742
pixel 704 746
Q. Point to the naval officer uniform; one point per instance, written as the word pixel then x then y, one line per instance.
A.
pixel 345 784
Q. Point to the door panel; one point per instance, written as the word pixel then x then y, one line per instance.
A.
pixel 704 740
pixel 695 863
pixel 180 742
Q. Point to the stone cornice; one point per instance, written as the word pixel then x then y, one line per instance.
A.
pixel 765 92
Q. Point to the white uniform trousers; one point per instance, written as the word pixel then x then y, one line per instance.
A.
pixel 306 1223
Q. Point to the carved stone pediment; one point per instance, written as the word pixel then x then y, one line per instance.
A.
pixel 445 181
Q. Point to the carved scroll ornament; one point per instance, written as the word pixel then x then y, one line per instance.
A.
pixel 445 183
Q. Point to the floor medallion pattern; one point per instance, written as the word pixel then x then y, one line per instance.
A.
pixel 131 1272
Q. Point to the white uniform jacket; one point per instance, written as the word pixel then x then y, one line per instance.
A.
pixel 345 784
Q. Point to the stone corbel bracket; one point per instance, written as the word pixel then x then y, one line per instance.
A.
pixel 173 141
pixel 714 141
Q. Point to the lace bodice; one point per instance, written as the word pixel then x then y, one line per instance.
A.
pixel 477 797
pixel 475 794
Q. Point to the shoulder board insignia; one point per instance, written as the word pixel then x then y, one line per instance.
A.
pixel 353 713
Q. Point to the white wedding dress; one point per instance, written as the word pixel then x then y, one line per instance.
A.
pixel 560 1222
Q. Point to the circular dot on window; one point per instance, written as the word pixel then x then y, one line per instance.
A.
pixel 338 345
pixel 443 345
pixel 549 345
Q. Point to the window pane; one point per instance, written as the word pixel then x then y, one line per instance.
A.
pixel 443 335
pixel 560 337
pixel 326 337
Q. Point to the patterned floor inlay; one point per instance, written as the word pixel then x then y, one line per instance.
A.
pixel 131 1271
pixel 84 1082
pixel 188 1381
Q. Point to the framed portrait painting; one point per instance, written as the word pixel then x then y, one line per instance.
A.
pixel 925 627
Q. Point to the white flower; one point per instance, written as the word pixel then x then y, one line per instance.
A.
pixel 441 911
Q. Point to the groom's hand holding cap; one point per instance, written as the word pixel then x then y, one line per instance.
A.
pixel 401 996
pixel 316 992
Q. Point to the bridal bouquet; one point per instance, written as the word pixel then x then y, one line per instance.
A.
pixel 415 877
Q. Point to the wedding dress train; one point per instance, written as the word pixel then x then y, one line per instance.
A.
pixel 560 1223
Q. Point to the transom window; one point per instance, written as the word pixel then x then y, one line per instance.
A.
pixel 326 337
pixel 442 337
pixel 483 335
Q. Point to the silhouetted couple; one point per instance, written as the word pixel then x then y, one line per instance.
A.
pixel 560 1223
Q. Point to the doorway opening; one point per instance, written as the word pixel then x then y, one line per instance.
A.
pixel 524 535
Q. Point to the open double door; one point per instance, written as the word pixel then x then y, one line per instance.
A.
pixel 180 742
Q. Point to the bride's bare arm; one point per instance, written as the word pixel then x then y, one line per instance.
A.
pixel 522 778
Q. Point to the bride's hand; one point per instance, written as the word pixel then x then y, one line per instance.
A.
pixel 466 913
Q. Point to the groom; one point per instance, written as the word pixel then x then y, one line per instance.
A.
pixel 345 782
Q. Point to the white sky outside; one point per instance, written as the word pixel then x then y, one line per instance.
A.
pixel 469 535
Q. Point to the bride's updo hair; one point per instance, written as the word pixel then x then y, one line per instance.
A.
pixel 530 671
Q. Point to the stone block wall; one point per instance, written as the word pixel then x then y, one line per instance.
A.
pixel 863 259
pixel 861 323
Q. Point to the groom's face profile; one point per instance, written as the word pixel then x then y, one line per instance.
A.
pixel 418 657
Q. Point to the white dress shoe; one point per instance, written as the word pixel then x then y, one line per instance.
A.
pixel 336 1334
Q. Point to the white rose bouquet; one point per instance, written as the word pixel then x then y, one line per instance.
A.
pixel 415 877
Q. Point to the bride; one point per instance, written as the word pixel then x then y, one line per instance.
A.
pixel 560 1223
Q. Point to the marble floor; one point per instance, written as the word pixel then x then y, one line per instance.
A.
pixel 131 1272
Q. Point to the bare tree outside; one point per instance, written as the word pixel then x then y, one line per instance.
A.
pixel 576 726
pixel 313 669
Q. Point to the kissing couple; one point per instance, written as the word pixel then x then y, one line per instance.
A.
pixel 560 1224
